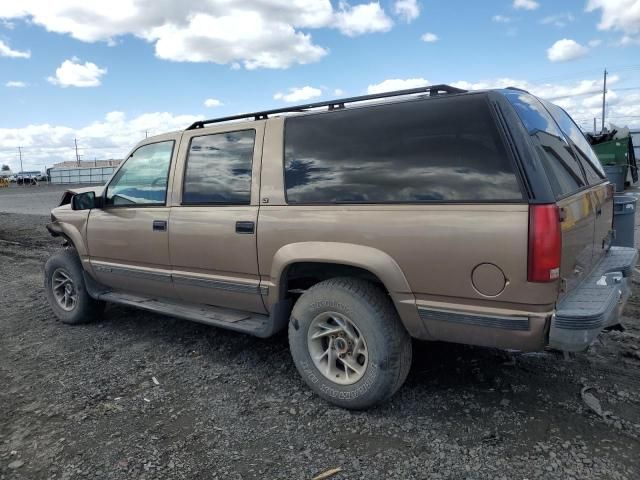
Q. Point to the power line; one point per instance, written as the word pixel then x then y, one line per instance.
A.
pixel 573 75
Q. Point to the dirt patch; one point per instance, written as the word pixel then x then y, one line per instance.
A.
pixel 80 402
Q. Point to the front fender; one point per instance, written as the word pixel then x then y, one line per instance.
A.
pixel 72 225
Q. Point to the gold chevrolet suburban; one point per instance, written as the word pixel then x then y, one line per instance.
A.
pixel 480 217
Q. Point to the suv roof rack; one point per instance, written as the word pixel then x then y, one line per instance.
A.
pixel 433 90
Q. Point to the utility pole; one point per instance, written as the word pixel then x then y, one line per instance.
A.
pixel 20 153
pixel 146 134
pixel 75 141
pixel 594 125
pixel 604 96
pixel 21 168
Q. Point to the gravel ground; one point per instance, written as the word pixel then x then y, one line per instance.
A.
pixel 81 402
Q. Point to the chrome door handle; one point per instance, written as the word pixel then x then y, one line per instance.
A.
pixel 159 225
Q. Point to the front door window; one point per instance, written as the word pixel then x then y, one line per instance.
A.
pixel 142 180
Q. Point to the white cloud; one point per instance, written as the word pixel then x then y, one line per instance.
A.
pixel 565 50
pixel 7 51
pixel 111 137
pixel 429 37
pixel 338 92
pixel 212 103
pixel 363 18
pixel 525 4
pixel 407 10
pixel 15 84
pixel 596 42
pixel 501 19
pixel 559 20
pixel 397 84
pixel 621 15
pixel 251 33
pixel 238 36
pixel 582 99
pixel 298 94
pixel 548 91
pixel 628 40
pixel 72 73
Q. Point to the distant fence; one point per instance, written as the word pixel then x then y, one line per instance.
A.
pixel 95 175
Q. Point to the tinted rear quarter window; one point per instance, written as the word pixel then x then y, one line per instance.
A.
pixel 586 155
pixel 557 156
pixel 428 150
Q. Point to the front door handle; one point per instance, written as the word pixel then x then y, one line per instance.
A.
pixel 598 211
pixel 159 225
pixel 245 227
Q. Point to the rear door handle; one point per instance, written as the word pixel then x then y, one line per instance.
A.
pixel 245 227
pixel 159 225
pixel 598 211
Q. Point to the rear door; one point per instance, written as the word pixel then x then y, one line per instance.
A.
pixel 601 193
pixel 572 192
pixel 214 217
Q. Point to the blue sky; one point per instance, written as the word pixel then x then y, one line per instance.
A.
pixel 105 72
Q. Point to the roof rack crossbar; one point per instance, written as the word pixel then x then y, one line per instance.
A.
pixel 432 90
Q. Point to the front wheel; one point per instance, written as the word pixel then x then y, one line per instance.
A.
pixel 65 289
pixel 348 343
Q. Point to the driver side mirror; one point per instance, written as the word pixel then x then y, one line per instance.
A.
pixel 85 201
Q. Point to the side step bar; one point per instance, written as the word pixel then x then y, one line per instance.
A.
pixel 262 326
pixel 252 323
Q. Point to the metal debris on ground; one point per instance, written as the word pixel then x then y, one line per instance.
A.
pixel 328 473
pixel 591 401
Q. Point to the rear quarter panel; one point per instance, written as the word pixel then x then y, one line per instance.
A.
pixel 436 246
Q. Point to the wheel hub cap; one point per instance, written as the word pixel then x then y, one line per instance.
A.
pixel 338 348
pixel 64 290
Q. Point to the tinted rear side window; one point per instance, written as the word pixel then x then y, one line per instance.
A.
pixel 561 166
pixel 586 155
pixel 219 169
pixel 431 150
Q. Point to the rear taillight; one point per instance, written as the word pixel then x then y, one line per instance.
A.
pixel 545 243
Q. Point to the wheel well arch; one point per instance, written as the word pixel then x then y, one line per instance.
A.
pixel 301 275
pixel 297 266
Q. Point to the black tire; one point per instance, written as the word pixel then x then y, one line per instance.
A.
pixel 370 309
pixel 86 309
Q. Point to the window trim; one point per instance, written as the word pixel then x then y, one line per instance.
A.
pixel 142 205
pixel 186 166
pixel 501 136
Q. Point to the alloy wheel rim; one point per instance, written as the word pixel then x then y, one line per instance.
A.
pixel 64 289
pixel 337 348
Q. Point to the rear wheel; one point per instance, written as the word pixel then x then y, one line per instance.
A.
pixel 65 289
pixel 348 343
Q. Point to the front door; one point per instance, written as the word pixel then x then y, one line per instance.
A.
pixel 128 238
pixel 214 217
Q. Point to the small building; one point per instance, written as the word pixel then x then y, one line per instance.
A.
pixel 95 172
pixel 87 163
